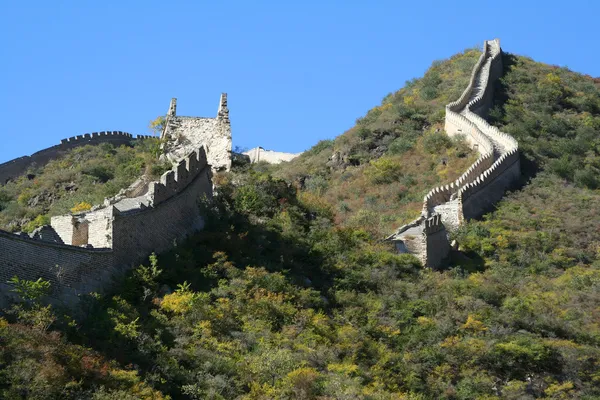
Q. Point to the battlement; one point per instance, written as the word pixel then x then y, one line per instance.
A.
pixel 433 225
pixel 86 250
pixel 19 166
pixel 485 181
pixel 88 136
pixel 177 179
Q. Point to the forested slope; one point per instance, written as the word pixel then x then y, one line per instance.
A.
pixel 290 294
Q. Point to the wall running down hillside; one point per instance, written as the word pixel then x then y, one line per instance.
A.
pixel 84 252
pixel 483 184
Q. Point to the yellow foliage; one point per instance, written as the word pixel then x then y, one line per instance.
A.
pixel 451 341
pixel 203 328
pixel 560 391
pixel 477 279
pixel 3 323
pixel 81 207
pixel 260 392
pixel 409 100
pixel 474 325
pixel 388 330
pixel 343 368
pixel 178 302
pixel 501 242
pixel 552 78
pixel 424 321
pixel 138 388
pixel 303 378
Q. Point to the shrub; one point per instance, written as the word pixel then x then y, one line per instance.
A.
pixel 436 142
pixel 401 145
pixel 40 220
pixel 383 170
pixel 587 178
pixel 81 207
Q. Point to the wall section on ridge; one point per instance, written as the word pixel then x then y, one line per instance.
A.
pixel 478 189
pixel 138 233
pixel 19 166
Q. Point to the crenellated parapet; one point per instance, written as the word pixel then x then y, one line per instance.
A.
pixel 95 135
pixel 82 253
pixel 177 179
pixel 485 181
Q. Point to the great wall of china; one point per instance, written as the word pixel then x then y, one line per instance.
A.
pixel 483 184
pixel 84 252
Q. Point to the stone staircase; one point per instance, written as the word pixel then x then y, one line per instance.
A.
pixel 496 168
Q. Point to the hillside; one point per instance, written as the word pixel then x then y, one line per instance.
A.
pixel 290 293
pixel 82 177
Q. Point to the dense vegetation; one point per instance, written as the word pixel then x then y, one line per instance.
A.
pixel 76 181
pixel 382 168
pixel 288 295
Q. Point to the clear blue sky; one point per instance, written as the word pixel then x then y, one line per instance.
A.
pixel 295 72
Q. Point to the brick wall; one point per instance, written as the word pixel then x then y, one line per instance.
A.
pixel 68 268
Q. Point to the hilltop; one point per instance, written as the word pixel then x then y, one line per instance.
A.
pixel 289 291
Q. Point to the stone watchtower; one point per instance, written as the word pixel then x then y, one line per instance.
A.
pixel 184 134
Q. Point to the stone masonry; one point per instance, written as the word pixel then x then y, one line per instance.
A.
pixel 272 157
pixel 184 134
pixel 83 253
pixel 483 184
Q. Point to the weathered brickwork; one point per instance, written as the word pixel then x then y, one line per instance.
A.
pixel 184 134
pixel 83 253
pixel 484 183
pixel 69 269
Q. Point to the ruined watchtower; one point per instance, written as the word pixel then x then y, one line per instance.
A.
pixel 184 134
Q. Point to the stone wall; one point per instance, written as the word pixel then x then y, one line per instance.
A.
pixel 485 181
pixel 437 245
pixel 272 157
pixel 138 233
pixel 19 166
pixel 105 241
pixel 84 252
pixel 71 270
pixel 185 134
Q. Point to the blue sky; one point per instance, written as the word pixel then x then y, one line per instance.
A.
pixel 295 72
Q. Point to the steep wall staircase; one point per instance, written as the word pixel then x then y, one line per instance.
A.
pixel 498 157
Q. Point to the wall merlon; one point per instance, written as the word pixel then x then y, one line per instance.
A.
pixel 484 182
pixel 85 250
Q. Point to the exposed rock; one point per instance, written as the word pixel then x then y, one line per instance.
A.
pixel 338 161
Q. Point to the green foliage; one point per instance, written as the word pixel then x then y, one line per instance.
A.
pixel 289 292
pixel 29 290
pixel 157 125
pixel 83 176
pixel 38 221
pixel 435 143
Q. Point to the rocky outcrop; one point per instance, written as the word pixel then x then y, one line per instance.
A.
pixel 484 183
